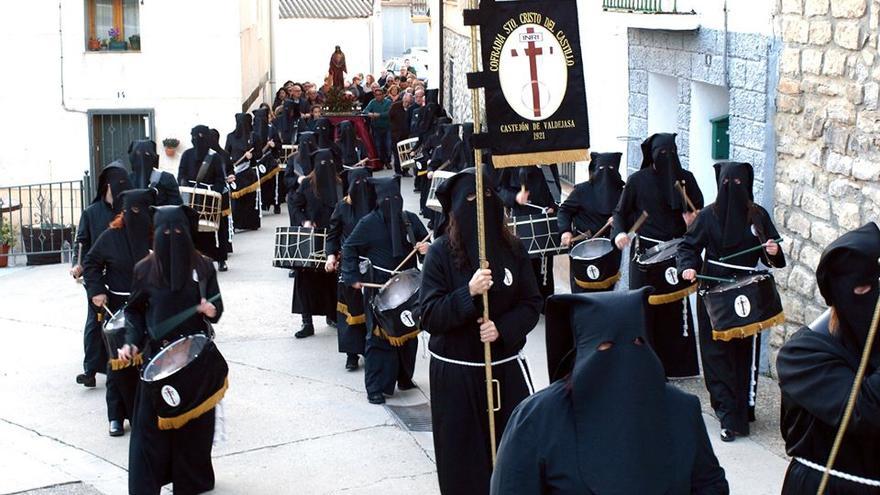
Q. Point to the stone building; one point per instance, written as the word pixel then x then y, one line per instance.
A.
pixel 828 131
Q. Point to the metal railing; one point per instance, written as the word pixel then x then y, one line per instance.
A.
pixel 418 8
pixel 567 173
pixel 645 6
pixel 42 218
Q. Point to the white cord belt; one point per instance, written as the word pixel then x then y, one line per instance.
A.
pixel 115 293
pixel 839 474
pixel 734 267
pixel 377 267
pixel 655 241
pixel 519 357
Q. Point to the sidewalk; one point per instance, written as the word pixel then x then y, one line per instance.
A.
pixel 297 421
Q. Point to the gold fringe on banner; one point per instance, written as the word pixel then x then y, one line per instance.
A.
pixel 395 341
pixel 245 190
pixel 748 330
pixel 269 175
pixel 540 158
pixel 350 318
pixel 672 296
pixel 180 421
pixel 118 364
pixel 602 284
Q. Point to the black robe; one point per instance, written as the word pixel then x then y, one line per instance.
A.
pixel 181 456
pixel 384 365
pixel 271 188
pixel 727 366
pixel 672 339
pixel 816 373
pixel 314 290
pixel 539 451
pixel 458 393
pixel 214 245
pixel 350 314
pixel 94 220
pixel 107 269
pixel 245 210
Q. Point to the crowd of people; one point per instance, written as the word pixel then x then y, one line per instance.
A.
pixel 609 422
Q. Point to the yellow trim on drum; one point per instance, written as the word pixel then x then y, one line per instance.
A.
pixel 748 330
pixel 672 296
pixel 245 190
pixel 119 364
pixel 602 284
pixel 421 173
pixel 395 341
pixel 180 421
pixel 350 318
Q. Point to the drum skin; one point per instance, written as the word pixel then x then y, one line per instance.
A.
pixel 539 233
pixel 192 390
pixel 743 308
pixel 397 319
pixel 300 247
pixel 595 264
pixel 656 267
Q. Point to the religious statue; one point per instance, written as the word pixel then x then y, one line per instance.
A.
pixel 337 68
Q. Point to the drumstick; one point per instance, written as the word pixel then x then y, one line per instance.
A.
pixel 542 208
pixel 241 159
pixel 686 197
pixel 636 226
pixel 372 286
pixel 349 167
pixel 749 250
pixel 715 279
pixel 410 255
pixel 586 234
pixel 169 324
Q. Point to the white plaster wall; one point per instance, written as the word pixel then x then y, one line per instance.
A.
pixel 743 16
pixel 188 72
pixel 303 47
pixel 707 102
pixel 662 103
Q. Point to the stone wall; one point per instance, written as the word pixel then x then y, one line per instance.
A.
pixel 456 65
pixel 699 56
pixel 828 128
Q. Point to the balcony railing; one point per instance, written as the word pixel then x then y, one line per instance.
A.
pixel 649 6
pixel 418 10
pixel 671 15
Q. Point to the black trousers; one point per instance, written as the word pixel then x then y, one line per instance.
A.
pixel 95 352
pixel 386 365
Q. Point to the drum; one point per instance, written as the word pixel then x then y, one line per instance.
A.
pixel 299 247
pixel 539 233
pixel 396 308
pixel 595 264
pixel 742 308
pixel 185 380
pixel 286 151
pixel 656 267
pixel 114 338
pixel 208 204
pixel 439 177
pixel 405 151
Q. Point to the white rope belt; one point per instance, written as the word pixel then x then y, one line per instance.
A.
pixel 655 241
pixel 519 357
pixel 124 294
pixel 377 267
pixel 839 474
pixel 734 267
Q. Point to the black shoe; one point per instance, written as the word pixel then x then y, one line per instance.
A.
pixel 376 398
pixel 331 322
pixel 277 209
pixel 727 435
pixel 409 385
pixel 751 415
pixel 306 331
pixel 86 380
pixel 221 266
pixel 116 428
pixel 352 362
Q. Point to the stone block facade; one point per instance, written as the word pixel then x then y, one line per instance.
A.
pixel 698 56
pixel 456 64
pixel 828 150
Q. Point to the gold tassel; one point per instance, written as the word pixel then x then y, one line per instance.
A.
pixel 180 421
pixel 540 158
pixel 672 296
pixel 349 318
pixel 602 284
pixel 395 341
pixel 119 364
pixel 421 173
pixel 226 212
pixel 746 331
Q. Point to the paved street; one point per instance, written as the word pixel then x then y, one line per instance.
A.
pixel 297 421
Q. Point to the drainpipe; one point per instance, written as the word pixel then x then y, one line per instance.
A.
pixel 272 9
pixel 61 62
pixel 441 64
pixel 724 56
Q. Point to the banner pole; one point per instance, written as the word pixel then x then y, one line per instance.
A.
pixel 481 231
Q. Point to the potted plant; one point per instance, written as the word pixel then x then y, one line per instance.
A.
pixel 44 239
pixel 116 44
pixel 7 242
pixel 134 42
pixel 94 44
pixel 170 145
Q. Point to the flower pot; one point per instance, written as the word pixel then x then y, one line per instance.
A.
pixel 134 42
pixel 39 239
pixel 117 46
pixel 94 45
pixel 4 260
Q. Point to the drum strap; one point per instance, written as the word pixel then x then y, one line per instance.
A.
pixel 552 185
pixel 839 474
pixel 520 358
pixel 206 165
pixel 377 267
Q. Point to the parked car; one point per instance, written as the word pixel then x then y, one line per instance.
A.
pixel 394 65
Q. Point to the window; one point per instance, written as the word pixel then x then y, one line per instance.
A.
pixel 111 131
pixel 113 25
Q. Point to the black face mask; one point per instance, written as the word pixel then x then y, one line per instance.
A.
pixel 173 244
pixel 324 132
pixel 347 143
pixel 136 205
pixel 143 158
pixel 390 204
pixel 261 125
pixel 734 202
pixel 606 181
pixel 660 153
pixel 201 141
pixel 325 178
pixel 307 147
pixel 242 125
pixel 360 192
pixel 116 178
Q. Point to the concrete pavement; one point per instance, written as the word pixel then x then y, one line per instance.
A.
pixel 297 421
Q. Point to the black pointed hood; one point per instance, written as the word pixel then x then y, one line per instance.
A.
pixel 449 146
pixel 852 261
pixel 734 202
pixel 117 178
pixel 137 216
pixel 618 395
pixel 173 232
pixel 361 195
pixel 467 134
pixel 143 158
pixel 201 141
pixel 660 153
pixel 243 125
pixel 324 132
pixel 347 143
pixel 307 146
pixel 324 178
pixel 389 202
pixel 261 126
pixel 605 180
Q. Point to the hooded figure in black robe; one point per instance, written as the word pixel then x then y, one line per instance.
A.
pixel 245 210
pixel 202 167
pixel 543 189
pixel 324 136
pixel 94 220
pixel 347 144
pixel 652 189
pixel 351 327
pixel 450 312
pixel 817 367
pixel 613 426
pixel 288 120
pixel 145 173
pixel 225 232
pixel 107 272
pixel 299 165
pixel 730 225
pixel 265 135
pixel 380 241
pixel 314 290
pixel 172 279
pixel 446 156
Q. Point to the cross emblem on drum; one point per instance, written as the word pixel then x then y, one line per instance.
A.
pixel 532 52
pixel 742 306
